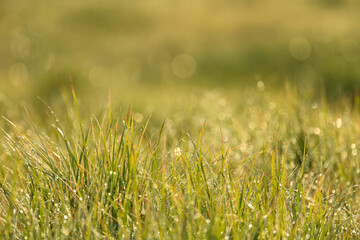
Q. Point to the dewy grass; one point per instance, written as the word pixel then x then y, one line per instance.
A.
pixel 109 178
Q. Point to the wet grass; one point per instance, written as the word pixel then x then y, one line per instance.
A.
pixel 263 165
pixel 225 120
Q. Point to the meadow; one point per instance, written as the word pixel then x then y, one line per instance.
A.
pixel 182 120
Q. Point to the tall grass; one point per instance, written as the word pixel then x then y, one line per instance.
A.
pixel 111 177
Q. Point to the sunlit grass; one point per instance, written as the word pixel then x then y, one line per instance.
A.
pixel 225 119
pixel 260 167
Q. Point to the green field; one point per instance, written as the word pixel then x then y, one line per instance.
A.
pixel 179 119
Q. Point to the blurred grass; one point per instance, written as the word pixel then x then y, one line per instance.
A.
pixel 128 45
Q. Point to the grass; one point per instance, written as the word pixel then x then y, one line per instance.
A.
pixel 132 45
pixel 278 166
pixel 231 151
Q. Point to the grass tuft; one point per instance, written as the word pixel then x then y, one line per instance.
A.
pixel 112 177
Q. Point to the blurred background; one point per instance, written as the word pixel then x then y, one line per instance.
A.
pixel 152 52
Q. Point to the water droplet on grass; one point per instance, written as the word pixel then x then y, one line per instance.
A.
pixel 177 152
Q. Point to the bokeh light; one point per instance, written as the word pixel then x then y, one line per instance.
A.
pixel 184 65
